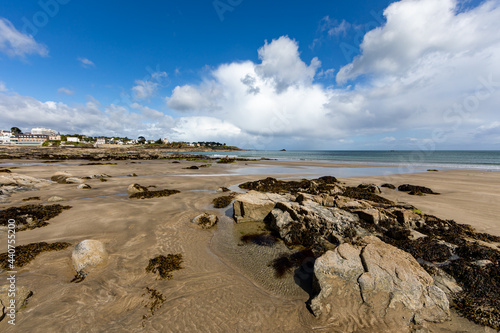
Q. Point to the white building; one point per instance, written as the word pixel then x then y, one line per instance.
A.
pixel 164 140
pixel 100 141
pixel 5 137
pixel 43 131
pixel 72 139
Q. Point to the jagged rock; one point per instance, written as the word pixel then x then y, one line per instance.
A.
pixel 255 206
pixel 86 255
pixel 136 188
pixel 387 185
pixel 84 187
pixel 351 204
pixel 206 221
pixel 55 199
pixel 308 222
pixel 375 281
pixel 193 167
pixel 322 199
pixel 415 189
pixel 408 218
pixel 223 189
pixel 445 282
pixel 22 296
pixel 370 215
pixel 372 188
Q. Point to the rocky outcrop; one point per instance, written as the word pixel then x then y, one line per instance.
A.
pixel 205 221
pixel 254 206
pixel 326 184
pixel 84 187
pixel 86 255
pixel 308 223
pixel 379 282
pixel 387 185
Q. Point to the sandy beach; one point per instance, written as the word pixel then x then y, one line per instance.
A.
pixel 222 287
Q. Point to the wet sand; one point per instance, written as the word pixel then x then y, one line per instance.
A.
pixel 223 287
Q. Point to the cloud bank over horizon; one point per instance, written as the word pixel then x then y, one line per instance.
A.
pixel 430 75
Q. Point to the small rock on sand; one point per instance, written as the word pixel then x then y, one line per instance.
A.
pixel 86 255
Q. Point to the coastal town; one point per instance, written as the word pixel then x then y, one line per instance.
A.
pixel 51 138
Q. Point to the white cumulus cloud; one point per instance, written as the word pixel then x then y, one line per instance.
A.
pixel 16 44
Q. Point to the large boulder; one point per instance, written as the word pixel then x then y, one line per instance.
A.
pixel 86 255
pixel 255 206
pixel 307 222
pixel 375 283
pixel 15 179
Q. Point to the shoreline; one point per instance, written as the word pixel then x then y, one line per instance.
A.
pixel 135 230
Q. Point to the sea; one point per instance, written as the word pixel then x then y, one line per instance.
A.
pixel 412 159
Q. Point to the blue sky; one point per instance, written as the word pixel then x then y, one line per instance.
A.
pixel 412 74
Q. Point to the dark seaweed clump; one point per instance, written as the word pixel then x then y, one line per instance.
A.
pixel 31 216
pixel 164 266
pixel 359 193
pixel 153 194
pixel 25 253
pixel 31 198
pixel 392 187
pixel 193 167
pixel 222 202
pixel 288 261
pixel 156 300
pixel 262 239
pixel 5 170
pixel 414 189
pixel 316 186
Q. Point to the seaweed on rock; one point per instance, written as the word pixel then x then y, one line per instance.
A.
pixel 316 186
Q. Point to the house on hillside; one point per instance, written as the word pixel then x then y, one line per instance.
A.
pixel 72 139
pixel 5 137
pixel 100 141
pixel 30 139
